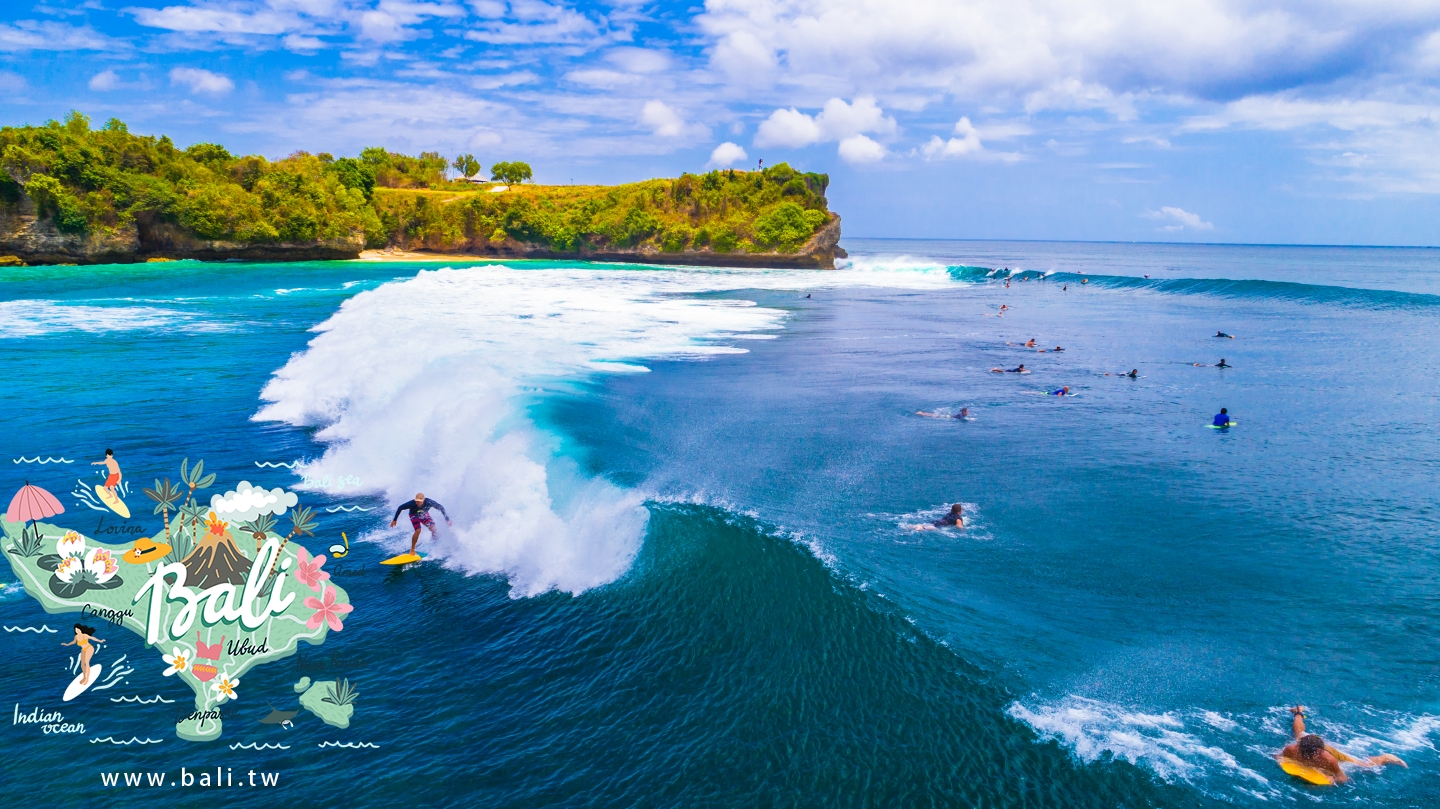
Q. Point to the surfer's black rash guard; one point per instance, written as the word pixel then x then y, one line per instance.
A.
pixel 410 507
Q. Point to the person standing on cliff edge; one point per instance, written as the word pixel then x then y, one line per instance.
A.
pixel 419 509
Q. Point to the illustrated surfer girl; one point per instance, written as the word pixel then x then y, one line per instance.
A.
pixel 84 636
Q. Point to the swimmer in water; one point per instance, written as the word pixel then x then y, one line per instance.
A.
pixel 953 519
pixel 1134 372
pixel 1310 750
pixel 1020 369
pixel 1223 334
pixel 963 414
pixel 1030 343
pixel 1065 391
pixel 1222 419
pixel 1084 280
pixel 1222 364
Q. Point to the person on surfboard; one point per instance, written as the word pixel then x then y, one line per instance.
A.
pixel 1310 750
pixel 419 509
pixel 1222 419
pixel 84 636
pixel 110 463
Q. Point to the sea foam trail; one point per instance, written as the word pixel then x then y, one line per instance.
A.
pixel 418 385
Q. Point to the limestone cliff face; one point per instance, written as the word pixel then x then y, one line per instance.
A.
pixel 819 252
pixel 37 241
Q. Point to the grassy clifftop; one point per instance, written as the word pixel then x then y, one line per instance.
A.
pixel 70 192
pixel 722 212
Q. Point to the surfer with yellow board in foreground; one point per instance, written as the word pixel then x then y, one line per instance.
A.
pixel 1309 758
pixel 107 493
pixel 419 509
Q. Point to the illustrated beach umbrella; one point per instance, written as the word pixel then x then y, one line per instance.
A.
pixel 32 503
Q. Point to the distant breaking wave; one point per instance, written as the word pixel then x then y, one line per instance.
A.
pixel 334 509
pixel 137 699
pixel 259 746
pixel 277 465
pixel 351 745
pixel 36 630
pixel 42 461
pixel 132 740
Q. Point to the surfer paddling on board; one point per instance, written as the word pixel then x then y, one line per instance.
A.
pixel 963 414
pixel 419 509
pixel 1309 750
pixel 113 478
pixel 953 519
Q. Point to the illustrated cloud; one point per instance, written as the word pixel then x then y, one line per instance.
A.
pixel 248 502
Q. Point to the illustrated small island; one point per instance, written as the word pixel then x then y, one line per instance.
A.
pixel 211 607
pixel 70 193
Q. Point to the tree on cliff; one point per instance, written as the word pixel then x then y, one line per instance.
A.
pixel 467 165
pixel 511 172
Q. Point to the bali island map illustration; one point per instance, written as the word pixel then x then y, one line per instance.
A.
pixel 221 590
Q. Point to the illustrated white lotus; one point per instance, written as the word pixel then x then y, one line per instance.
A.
pixel 179 660
pixel 69 569
pixel 100 564
pixel 225 687
pixel 72 544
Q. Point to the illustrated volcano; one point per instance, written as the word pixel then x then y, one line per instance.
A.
pixel 215 559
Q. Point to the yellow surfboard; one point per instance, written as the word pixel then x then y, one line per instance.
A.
pixel 403 559
pixel 112 500
pixel 1310 774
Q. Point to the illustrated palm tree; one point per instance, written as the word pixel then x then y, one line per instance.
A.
pixel 259 527
pixel 164 494
pixel 194 478
pixel 302 522
pixel 192 515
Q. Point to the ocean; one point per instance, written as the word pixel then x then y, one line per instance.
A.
pixel 681 570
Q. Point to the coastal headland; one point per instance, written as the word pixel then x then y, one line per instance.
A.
pixel 73 194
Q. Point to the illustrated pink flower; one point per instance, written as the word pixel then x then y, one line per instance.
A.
pixel 326 610
pixel 309 572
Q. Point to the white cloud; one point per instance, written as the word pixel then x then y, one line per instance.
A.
pixel 860 149
pixel 662 119
pixel 968 142
pixel 302 44
pixel 532 22
pixel 201 81
pixel 727 154
pixel 836 121
pixel 11 82
pixel 247 502
pixel 29 35
pixel 105 80
pixel 204 19
pixel 1180 218
pixel 743 57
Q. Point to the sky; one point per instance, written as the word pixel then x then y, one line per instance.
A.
pixel 1243 121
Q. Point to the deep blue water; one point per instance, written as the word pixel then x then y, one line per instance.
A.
pixel 680 572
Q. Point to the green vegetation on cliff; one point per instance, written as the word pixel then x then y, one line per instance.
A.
pixel 89 181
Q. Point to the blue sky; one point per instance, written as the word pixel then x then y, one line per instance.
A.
pixel 1315 121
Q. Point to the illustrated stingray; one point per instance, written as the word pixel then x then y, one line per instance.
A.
pixel 276 717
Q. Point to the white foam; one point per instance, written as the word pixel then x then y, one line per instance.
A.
pixel 1162 742
pixel 420 385
pixel 30 318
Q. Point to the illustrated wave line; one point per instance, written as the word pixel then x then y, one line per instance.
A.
pixel 351 745
pixel 132 740
pixel 37 630
pixel 348 508
pixel 277 465
pixel 259 746
pixel 137 699
pixel 41 461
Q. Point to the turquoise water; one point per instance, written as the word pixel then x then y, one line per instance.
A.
pixel 679 572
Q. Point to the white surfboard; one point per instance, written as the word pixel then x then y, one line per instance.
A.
pixel 77 688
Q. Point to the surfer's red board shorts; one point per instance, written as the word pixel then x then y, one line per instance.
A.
pixel 417 520
pixel 111 481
